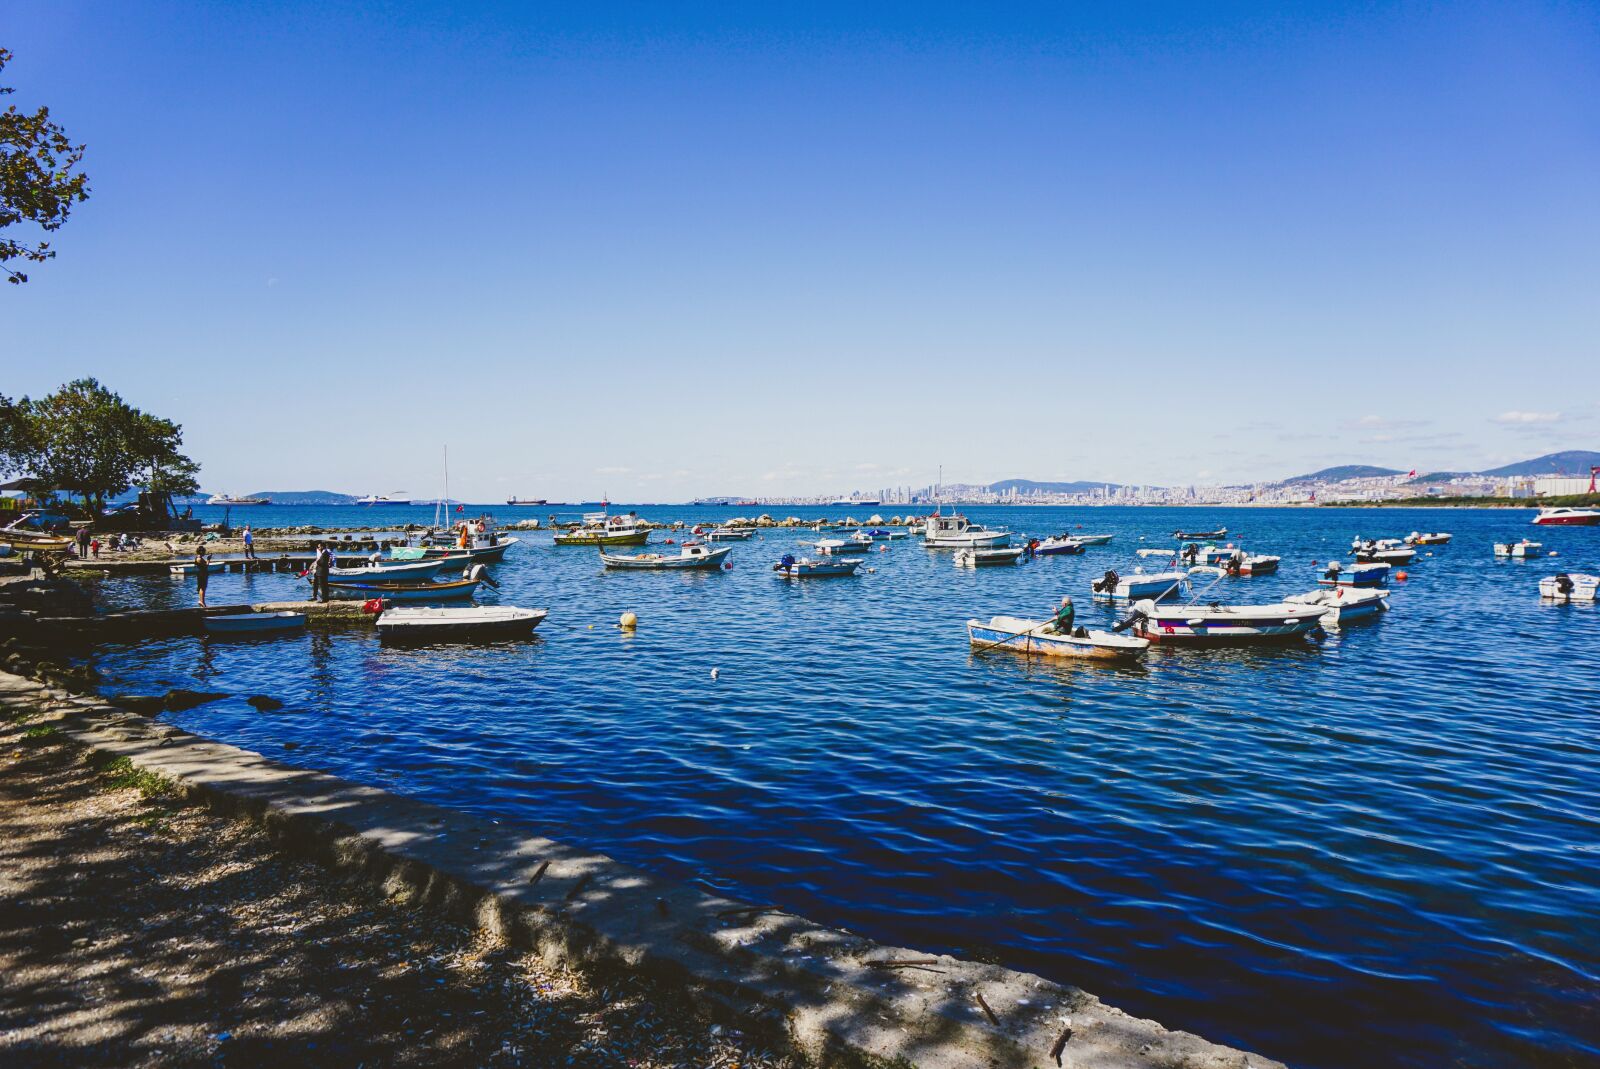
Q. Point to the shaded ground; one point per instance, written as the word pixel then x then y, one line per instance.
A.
pixel 136 930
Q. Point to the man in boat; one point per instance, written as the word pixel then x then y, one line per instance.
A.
pixel 1065 612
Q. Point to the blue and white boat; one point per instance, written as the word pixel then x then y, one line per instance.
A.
pixel 791 567
pixel 1039 637
pixel 389 571
pixel 1156 586
pixel 254 623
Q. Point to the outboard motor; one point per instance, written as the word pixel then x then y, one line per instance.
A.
pixel 1564 584
pixel 1108 582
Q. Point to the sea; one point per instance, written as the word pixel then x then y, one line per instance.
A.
pixel 1380 848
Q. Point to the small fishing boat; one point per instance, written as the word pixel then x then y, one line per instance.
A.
pixel 1200 536
pixel 1432 538
pixel 1339 574
pixel 1382 551
pixel 791 567
pixel 1564 586
pixel 973 557
pixel 481 621
pixel 861 541
pixel 1202 624
pixel 254 623
pixel 445 590
pixel 895 536
pixel 488 547
pixel 1060 545
pixel 1523 550
pixel 1112 587
pixel 1094 539
pixel 600 529
pixel 389 571
pixel 1344 604
pixel 879 534
pixel 1035 636
pixel 728 534
pixel 1259 564
pixel 955 531
pixel 1567 517
pixel 192 568
pixel 1166 554
pixel 692 555
pixel 835 547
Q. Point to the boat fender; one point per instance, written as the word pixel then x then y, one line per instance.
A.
pixel 629 621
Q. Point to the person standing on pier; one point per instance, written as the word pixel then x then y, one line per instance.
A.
pixel 319 573
pixel 83 543
pixel 249 545
pixel 202 571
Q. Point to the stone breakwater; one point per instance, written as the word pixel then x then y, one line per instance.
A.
pixel 835 994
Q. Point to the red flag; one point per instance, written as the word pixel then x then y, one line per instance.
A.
pixel 1412 474
pixel 463 508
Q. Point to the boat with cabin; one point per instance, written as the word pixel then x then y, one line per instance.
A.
pixel 601 529
pixel 1344 604
pixel 383 499
pixel 955 531
pixel 1567 517
pixel 1018 635
pixel 224 499
pixel 692 555
pixel 1569 586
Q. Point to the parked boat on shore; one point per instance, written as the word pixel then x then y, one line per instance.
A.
pixel 1017 635
pixel 691 556
pixel 1569 586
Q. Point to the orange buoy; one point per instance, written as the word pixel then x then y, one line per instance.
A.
pixel 1402 576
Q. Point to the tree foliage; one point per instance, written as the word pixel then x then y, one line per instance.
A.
pixel 86 439
pixel 37 183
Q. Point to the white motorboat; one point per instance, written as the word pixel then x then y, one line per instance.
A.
pixel 1200 624
pixel 791 567
pixel 1382 551
pixel 480 621
pixel 1344 604
pixel 1112 587
pixel 254 623
pixel 728 534
pixel 1340 574
pixel 837 547
pixel 383 499
pixel 955 531
pixel 1565 586
pixel 1166 554
pixel 224 499
pixel 1431 538
pixel 1567 517
pixel 972 558
pixel 1036 636
pixel 691 556
pixel 1094 539
pixel 1523 550
pixel 1059 545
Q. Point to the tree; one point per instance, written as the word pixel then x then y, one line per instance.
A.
pixel 37 183
pixel 86 439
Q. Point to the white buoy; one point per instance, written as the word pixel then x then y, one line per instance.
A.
pixel 714 673
pixel 628 622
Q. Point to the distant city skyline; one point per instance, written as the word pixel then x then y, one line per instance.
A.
pixel 661 253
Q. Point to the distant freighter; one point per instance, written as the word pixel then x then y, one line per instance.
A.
pixel 224 499
pixel 526 501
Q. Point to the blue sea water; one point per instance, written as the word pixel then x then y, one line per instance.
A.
pixel 1379 849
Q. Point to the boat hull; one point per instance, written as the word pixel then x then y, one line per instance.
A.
pixel 1025 636
pixel 405 572
pixel 455 590
pixel 255 623
pixel 1577 588
pixel 1567 519
pixel 652 562
pixel 1159 587
pixel 597 538
pixel 1192 625
pixel 432 625
pixel 819 569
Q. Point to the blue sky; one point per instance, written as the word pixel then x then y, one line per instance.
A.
pixel 667 250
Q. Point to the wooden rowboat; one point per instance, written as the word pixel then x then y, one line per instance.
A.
pixel 1034 636
pixel 692 556
pixel 434 624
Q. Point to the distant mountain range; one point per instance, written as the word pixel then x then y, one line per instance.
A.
pixel 1569 462
pixel 1029 486
pixel 305 497
pixel 1343 471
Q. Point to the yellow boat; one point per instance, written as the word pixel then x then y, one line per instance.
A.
pixel 617 536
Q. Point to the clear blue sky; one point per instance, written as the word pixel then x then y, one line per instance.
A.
pixel 666 250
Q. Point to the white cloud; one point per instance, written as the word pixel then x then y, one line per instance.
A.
pixel 1515 417
pixel 612 471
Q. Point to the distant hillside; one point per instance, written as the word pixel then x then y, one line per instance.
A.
pixel 1344 471
pixel 305 497
pixel 1025 486
pixel 1571 462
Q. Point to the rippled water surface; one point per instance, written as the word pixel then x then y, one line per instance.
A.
pixel 1380 849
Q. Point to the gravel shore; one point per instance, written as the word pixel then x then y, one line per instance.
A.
pixel 137 930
